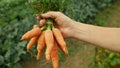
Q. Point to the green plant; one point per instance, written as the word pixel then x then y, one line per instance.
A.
pixel 106 58
pixel 86 10
pixel 13 22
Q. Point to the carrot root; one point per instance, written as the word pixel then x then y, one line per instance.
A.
pixel 54 56
pixel 32 33
pixel 31 43
pixel 41 45
pixel 60 40
pixel 49 39
pixel 39 55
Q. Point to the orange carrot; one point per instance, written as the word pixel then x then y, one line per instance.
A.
pixel 54 56
pixel 41 45
pixel 60 40
pixel 49 40
pixel 39 55
pixel 32 41
pixel 32 33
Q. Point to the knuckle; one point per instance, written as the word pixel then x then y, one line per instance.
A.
pixel 50 12
pixel 58 12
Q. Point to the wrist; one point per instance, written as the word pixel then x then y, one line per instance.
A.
pixel 80 31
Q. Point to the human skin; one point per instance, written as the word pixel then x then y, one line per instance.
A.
pixel 104 37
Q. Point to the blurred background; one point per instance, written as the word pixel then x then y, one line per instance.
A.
pixel 18 16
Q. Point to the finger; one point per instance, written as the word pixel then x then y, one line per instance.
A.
pixel 35 26
pixel 50 14
pixel 55 24
pixel 42 22
pixel 38 17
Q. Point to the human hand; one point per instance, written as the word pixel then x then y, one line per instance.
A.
pixel 63 22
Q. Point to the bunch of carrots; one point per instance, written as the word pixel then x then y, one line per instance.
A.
pixel 48 37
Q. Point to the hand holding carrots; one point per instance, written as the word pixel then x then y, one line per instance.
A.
pixel 61 21
pixel 49 36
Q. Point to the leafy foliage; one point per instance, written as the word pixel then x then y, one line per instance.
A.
pixel 86 10
pixel 41 6
pixel 17 17
pixel 106 58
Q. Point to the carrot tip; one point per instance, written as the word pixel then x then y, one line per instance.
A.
pixel 21 38
pixel 27 49
pixel 48 57
pixel 65 51
pixel 38 55
pixel 37 58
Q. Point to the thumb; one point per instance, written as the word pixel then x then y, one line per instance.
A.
pixel 50 14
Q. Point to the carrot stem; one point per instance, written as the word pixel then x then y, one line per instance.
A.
pixel 44 27
pixel 49 20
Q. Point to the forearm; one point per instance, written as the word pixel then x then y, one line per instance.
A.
pixel 101 36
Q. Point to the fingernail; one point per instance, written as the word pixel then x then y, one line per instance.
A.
pixel 38 18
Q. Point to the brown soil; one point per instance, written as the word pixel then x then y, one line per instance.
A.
pixel 82 59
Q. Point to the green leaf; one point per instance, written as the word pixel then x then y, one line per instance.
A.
pixel 1 60
pixel 111 55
